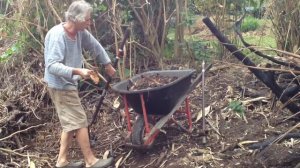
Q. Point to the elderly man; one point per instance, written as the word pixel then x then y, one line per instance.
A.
pixel 63 67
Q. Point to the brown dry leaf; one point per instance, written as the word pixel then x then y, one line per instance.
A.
pixel 94 76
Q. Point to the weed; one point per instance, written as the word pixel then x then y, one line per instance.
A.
pixel 237 107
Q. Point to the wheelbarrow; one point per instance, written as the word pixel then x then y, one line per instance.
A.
pixel 156 106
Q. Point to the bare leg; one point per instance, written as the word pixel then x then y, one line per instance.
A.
pixel 84 143
pixel 65 141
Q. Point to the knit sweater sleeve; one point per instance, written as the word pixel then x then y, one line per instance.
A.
pixel 55 57
pixel 92 45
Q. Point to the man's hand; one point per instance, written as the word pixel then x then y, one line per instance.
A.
pixel 84 73
pixel 110 70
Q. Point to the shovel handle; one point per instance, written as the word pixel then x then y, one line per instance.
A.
pixel 120 50
pixel 115 64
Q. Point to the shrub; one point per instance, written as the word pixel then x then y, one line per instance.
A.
pixel 249 24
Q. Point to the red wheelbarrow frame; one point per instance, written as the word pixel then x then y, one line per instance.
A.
pixel 152 134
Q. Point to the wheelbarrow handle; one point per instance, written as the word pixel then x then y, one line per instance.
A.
pixel 115 64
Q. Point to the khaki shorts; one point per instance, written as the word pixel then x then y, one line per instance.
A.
pixel 69 109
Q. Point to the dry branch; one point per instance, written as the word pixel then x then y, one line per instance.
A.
pixel 11 135
pixel 266 77
pixel 259 53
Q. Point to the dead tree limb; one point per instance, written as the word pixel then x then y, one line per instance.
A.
pixel 249 46
pixel 266 77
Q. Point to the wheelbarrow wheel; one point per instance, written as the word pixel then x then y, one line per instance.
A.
pixel 139 132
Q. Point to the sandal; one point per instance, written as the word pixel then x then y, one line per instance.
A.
pixel 72 165
pixel 102 163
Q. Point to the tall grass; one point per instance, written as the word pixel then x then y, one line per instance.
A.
pixel 250 24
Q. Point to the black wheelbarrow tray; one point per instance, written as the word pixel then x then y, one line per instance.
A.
pixel 161 101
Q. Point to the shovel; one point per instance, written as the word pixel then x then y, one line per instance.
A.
pixel 101 99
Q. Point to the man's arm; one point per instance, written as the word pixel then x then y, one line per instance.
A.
pixel 91 44
pixel 54 56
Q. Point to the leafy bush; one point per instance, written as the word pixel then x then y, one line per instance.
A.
pixel 250 24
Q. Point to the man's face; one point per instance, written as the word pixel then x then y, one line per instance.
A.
pixel 85 24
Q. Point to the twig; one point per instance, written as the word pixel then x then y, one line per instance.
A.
pixel 11 135
pixel 150 79
pixel 42 46
pixel 160 158
pixel 16 153
pixel 259 53
pixel 126 157
pixel 279 138
pixel 149 164
pixel 292 99
pixel 292 116
pixel 102 77
pixel 260 68
pixel 131 85
pixel 265 118
pixel 180 126
pixel 277 50
pixel 253 100
pixel 53 10
pixel 214 128
pixel 24 21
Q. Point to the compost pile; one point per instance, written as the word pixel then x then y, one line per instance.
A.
pixel 150 81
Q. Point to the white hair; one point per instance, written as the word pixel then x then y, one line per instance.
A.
pixel 77 11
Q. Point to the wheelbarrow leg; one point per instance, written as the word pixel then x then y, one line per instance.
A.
pixel 145 114
pixel 141 129
pixel 188 113
pixel 127 114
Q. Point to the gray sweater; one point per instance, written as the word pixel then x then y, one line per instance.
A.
pixel 62 54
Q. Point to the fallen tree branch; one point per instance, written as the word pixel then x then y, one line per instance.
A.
pixel 266 77
pixel 280 51
pixel 259 53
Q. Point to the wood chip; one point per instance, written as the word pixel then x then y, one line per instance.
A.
pixel 95 78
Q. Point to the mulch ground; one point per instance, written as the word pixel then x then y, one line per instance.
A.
pixel 228 138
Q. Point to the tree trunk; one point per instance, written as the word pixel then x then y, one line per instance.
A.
pixel 179 33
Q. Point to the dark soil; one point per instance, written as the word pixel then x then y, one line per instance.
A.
pixel 150 81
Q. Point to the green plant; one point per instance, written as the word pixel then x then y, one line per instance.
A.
pixel 16 48
pixel 189 19
pixel 200 49
pixel 250 24
pixel 168 50
pixel 237 107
